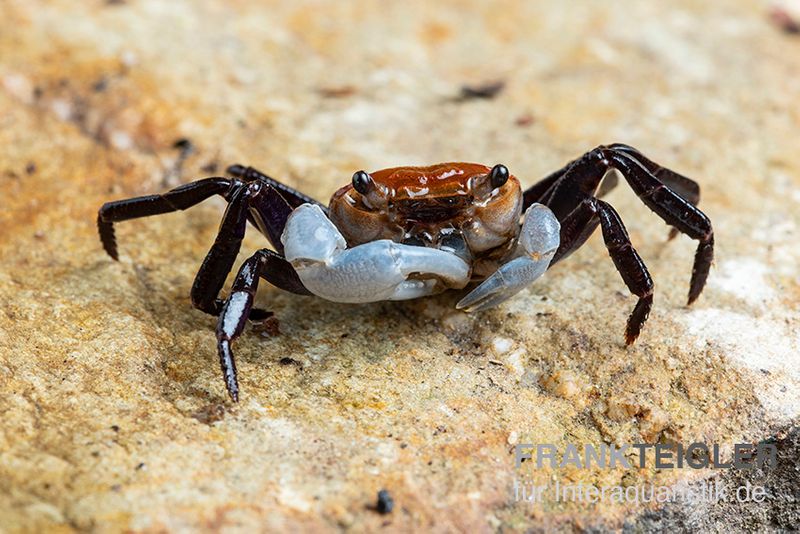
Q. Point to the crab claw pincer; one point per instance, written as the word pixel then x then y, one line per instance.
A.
pixel 537 244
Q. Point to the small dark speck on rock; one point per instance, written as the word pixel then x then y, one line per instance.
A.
pixel 337 92
pixel 784 21
pixel 115 428
pixel 210 167
pixel 268 327
pixel 183 144
pixel 100 85
pixel 288 361
pixel 30 168
pixel 524 120
pixel 210 413
pixel 385 503
pixel 140 466
pixel 484 91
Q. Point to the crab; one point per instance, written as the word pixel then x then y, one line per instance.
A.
pixel 409 232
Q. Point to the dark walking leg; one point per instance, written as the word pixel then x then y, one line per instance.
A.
pixel 580 224
pixel 674 210
pixel 583 176
pixel 180 198
pixel 233 318
pixel 290 194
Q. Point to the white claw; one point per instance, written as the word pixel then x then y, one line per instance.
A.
pixel 538 241
pixel 374 271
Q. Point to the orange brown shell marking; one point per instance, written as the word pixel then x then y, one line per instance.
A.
pixel 440 180
pixel 429 201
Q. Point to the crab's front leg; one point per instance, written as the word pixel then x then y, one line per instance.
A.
pixel 537 244
pixel 370 272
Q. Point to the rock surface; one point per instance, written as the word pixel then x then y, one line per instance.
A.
pixel 114 416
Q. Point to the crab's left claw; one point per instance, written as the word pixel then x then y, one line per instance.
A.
pixel 537 244
pixel 504 283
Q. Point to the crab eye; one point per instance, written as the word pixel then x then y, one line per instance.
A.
pixel 498 176
pixel 362 182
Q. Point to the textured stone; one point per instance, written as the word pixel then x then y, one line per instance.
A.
pixel 114 413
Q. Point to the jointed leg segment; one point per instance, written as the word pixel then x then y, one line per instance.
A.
pixel 571 194
pixel 237 308
pixel 252 197
pixel 180 198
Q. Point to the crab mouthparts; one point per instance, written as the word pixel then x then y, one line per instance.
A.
pixel 432 209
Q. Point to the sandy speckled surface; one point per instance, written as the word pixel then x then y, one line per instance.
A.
pixel 113 413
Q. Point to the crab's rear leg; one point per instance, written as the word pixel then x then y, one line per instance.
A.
pixel 180 198
pixel 687 188
pixel 581 178
pixel 255 201
pixel 580 224
pixel 237 308
pixel 536 246
pixel 292 196
pixel 676 211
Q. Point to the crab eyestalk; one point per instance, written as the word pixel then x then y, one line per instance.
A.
pixel 372 194
pixel 485 186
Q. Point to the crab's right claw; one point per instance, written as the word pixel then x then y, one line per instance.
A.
pixel 538 241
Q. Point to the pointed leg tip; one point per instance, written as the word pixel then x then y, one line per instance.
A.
pixel 111 250
pixel 228 366
pixel 632 334
pixel 694 294
pixel 107 238
pixel 638 318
